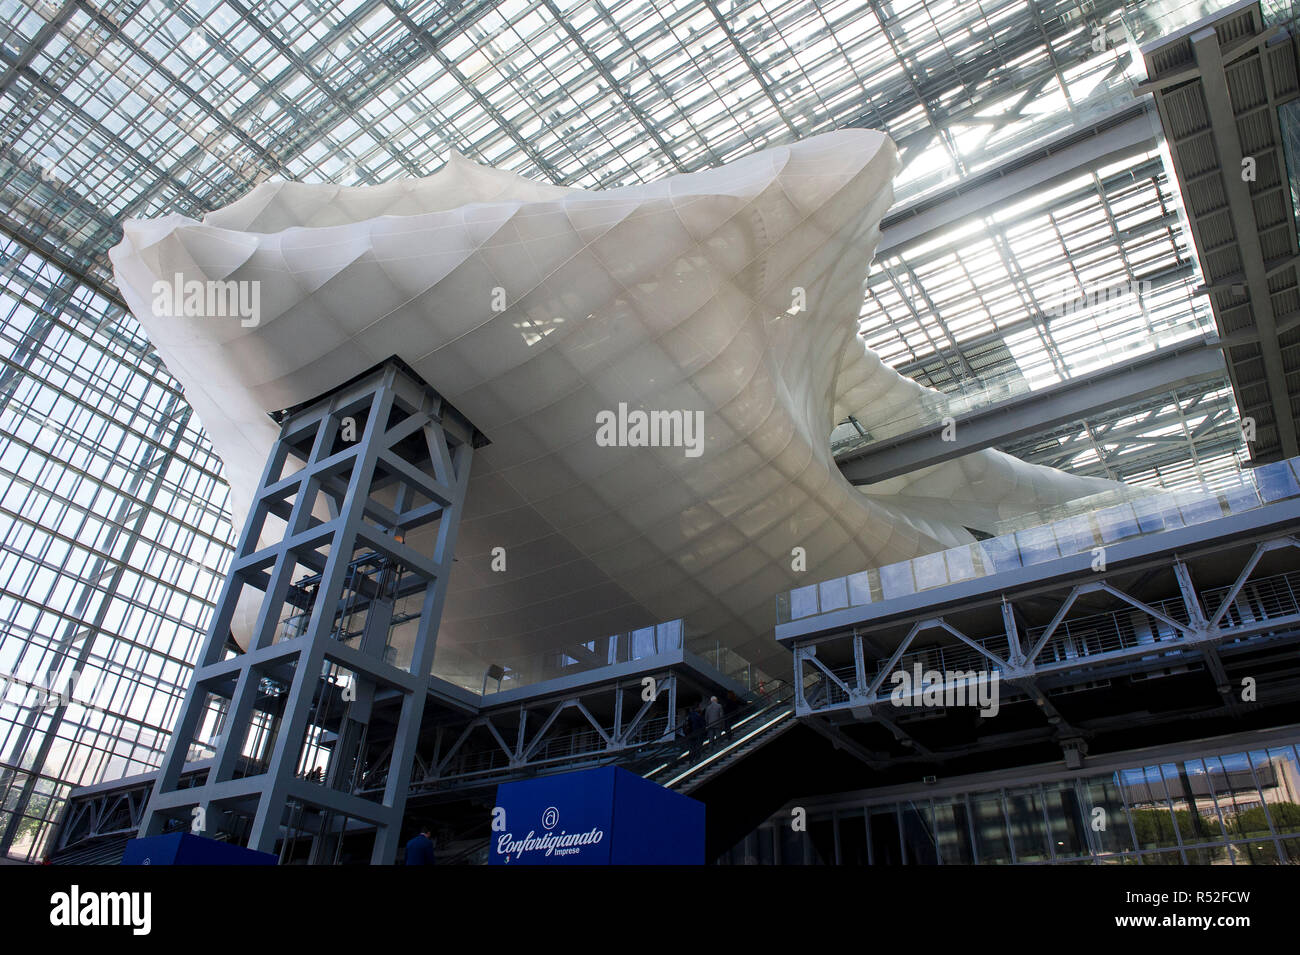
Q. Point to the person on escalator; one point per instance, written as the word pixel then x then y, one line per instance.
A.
pixel 713 722
pixel 695 726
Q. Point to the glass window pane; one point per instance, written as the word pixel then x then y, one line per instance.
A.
pixel 992 841
pixel 1162 858
pixel 918 834
pixel 896 580
pixel 1153 821
pixel 1195 810
pixel 1028 831
pixel 853 836
pixel 1279 784
pixel 1256 852
pixel 1237 795
pixel 803 602
pixel 952 832
pixel 931 571
pixel 1292 849
pixel 1068 826
pixel 885 846
pixel 859 589
pixel 834 595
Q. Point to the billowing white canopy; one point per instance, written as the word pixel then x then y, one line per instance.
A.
pixel 683 294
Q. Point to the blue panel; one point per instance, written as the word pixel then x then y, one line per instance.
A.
pixel 555 820
pixel 185 848
pixel 155 850
pixel 653 825
pixel 596 817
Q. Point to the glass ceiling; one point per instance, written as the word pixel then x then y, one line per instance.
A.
pixel 119 108
pixel 977 311
pixel 126 108
pixel 141 109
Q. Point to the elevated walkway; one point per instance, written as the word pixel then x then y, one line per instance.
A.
pixel 1117 622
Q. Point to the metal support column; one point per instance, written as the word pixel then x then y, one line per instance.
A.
pixel 338 551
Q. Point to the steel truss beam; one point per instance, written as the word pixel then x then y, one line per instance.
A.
pixel 112 813
pixel 480 753
pixel 1116 135
pixel 1029 414
pixel 1152 637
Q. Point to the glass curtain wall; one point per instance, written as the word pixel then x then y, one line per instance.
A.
pixel 114 539
pixel 1240 808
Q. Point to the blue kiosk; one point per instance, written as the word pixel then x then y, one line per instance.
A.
pixel 605 816
pixel 185 848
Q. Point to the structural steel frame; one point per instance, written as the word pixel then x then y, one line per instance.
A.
pixel 1218 85
pixel 395 407
pixel 1029 414
pixel 480 753
pixel 1195 626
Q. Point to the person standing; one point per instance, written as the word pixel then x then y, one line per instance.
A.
pixel 695 726
pixel 419 851
pixel 713 719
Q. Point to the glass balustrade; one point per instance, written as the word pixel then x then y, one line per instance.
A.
pixel 486 677
pixel 590 655
pixel 1077 533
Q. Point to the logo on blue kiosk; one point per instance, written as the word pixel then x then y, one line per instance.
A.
pixel 550 843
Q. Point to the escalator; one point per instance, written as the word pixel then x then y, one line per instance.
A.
pixel 684 765
pixel 743 776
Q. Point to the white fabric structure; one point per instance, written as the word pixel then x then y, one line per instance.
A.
pixel 677 295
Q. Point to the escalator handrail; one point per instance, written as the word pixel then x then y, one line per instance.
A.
pixel 670 751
